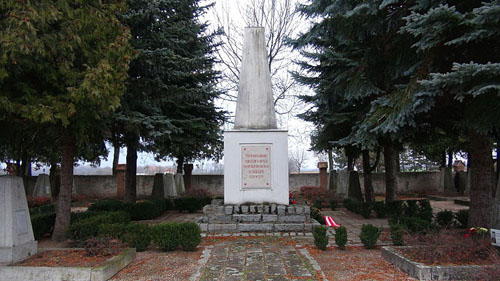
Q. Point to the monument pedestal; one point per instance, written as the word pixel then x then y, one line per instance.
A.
pixel 256 167
pixel 16 235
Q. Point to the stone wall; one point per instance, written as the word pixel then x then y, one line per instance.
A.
pixel 105 186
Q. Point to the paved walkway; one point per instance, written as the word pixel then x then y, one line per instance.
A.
pixel 255 259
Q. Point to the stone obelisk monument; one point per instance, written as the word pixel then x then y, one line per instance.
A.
pixel 256 151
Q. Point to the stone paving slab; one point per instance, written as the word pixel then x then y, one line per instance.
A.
pixel 256 259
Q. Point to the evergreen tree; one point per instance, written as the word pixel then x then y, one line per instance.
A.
pixel 168 108
pixel 63 64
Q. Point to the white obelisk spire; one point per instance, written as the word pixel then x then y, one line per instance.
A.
pixel 255 107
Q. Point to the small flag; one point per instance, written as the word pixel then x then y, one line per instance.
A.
pixel 330 222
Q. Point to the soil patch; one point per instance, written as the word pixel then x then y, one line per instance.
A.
pixel 66 258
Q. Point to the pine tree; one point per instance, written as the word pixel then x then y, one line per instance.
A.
pixel 63 64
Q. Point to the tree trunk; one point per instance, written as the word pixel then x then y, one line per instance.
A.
pixel 330 160
pixel 180 163
pixel 498 160
pixel 55 180
pixel 390 172
pixel 132 143
pixel 482 180
pixel 450 159
pixel 367 176
pixel 443 159
pixel 63 204
pixel 116 155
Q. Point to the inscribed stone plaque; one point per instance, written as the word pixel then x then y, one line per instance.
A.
pixel 256 166
pixel 21 222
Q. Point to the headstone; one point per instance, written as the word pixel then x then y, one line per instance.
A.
pixel 354 189
pixel 461 181
pixel 447 184
pixel 342 184
pixel 159 188
pixel 16 235
pixel 332 181
pixel 495 219
pixel 170 186
pixel 255 151
pixel 42 186
pixel 323 177
pixel 179 184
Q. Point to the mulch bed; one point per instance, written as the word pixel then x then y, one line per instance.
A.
pixel 452 258
pixel 356 263
pixel 66 258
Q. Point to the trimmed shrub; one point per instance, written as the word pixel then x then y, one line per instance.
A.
pixel 315 214
pixel 369 235
pixel 411 208
pixel 417 225
pixel 341 237
pixel 462 217
pixel 320 237
pixel 379 208
pixel 353 205
pixel 113 230
pixel 89 227
pixel 165 235
pixel 333 204
pixel 42 223
pixel 366 209
pixel 44 209
pixel 145 210
pixel 425 210
pixel 397 234
pixel 108 205
pixel 190 235
pixel 162 204
pixel 137 235
pixel 394 208
pixel 318 203
pixel 444 218
pixel 191 204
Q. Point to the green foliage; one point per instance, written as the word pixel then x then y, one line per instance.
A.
pixel 190 236
pixel 137 236
pixel 411 208
pixel 462 218
pixel 416 225
pixel 394 208
pixel 353 205
pixel 86 228
pixel 42 223
pixel 191 204
pixel 320 237
pixel 366 209
pixel 380 209
pixel 49 208
pixel 425 210
pixel 107 205
pixel 318 203
pixel 169 236
pixel 444 218
pixel 369 235
pixel 316 214
pixel 162 204
pixel 341 237
pixel 397 234
pixel 333 204
pixel 112 230
pixel 145 210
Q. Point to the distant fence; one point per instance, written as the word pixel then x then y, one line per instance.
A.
pixel 106 186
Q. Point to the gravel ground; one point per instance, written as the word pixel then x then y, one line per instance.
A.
pixel 356 264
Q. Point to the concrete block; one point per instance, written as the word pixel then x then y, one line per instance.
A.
pixel 266 209
pixel 260 209
pixel 224 227
pixel 269 218
pixel 307 210
pixel 236 210
pixel 288 227
pixel 217 202
pixel 292 218
pixel 281 210
pixel 299 210
pixel 244 209
pixel 219 210
pixel 255 227
pixel 290 210
pixel 209 209
pixel 203 227
pixel 247 217
pixel 252 209
pixel 228 210
pixel 179 184
pixel 16 234
pixel 219 218
pixel 273 209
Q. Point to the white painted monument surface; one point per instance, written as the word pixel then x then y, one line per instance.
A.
pixel 16 235
pixel 255 151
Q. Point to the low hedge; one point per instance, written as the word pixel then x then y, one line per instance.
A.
pixel 369 235
pixel 145 210
pixel 84 229
pixel 341 237
pixel 138 236
pixel 191 204
pixel 42 223
pixel 320 237
pixel 107 205
pixel 169 236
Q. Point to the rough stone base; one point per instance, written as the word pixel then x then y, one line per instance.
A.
pixel 428 272
pixel 9 255
pixel 255 218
